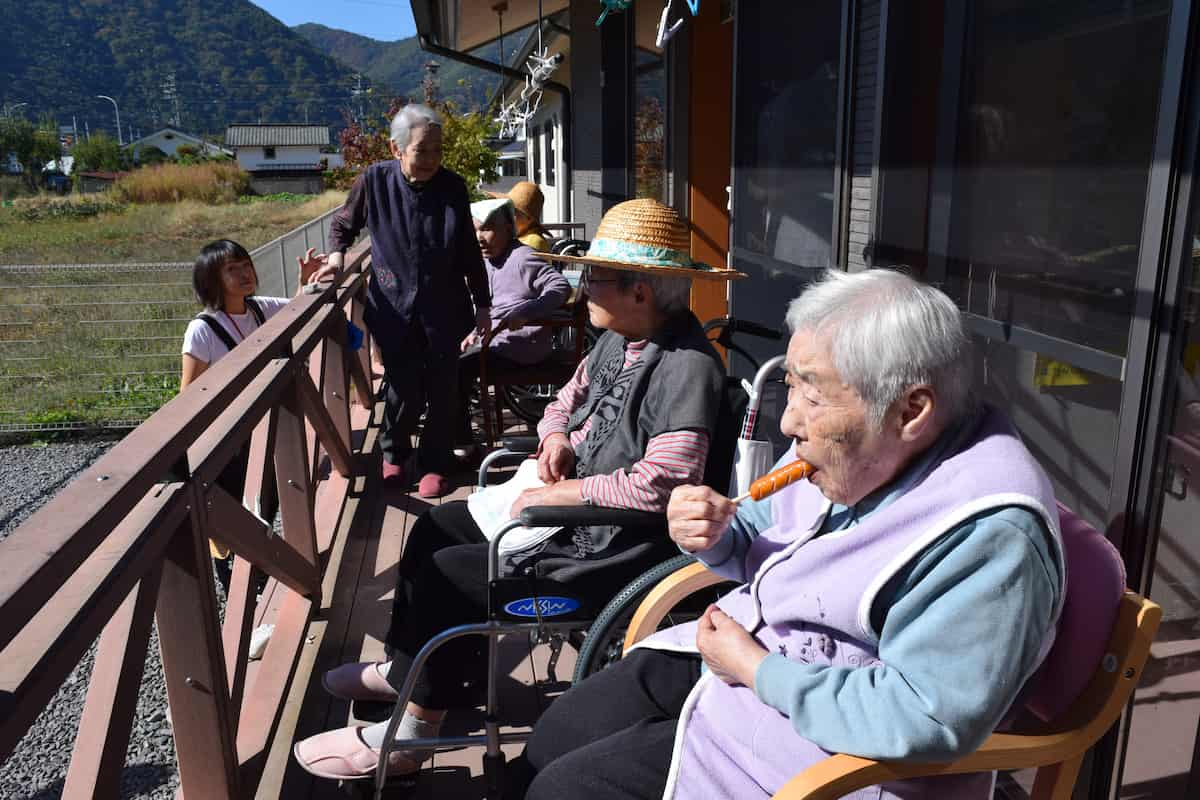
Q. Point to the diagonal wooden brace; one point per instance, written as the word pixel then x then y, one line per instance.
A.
pixel 250 537
pixel 327 432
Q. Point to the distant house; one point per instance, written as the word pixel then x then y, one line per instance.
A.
pixel 169 140
pixel 97 181
pixel 280 158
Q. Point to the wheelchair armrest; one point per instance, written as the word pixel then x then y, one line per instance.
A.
pixel 545 516
pixel 505 455
pixel 525 445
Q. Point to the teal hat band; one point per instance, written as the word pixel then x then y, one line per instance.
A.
pixel 633 253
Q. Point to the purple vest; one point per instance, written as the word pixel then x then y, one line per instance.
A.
pixel 813 603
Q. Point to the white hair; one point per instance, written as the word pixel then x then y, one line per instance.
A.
pixel 671 292
pixel 413 115
pixel 887 333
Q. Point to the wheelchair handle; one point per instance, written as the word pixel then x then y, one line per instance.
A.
pixel 754 329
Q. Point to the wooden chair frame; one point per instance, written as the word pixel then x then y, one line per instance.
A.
pixel 1056 749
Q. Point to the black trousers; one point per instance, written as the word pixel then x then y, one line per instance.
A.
pixel 442 583
pixel 610 736
pixel 418 380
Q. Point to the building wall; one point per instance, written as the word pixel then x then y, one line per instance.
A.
pixel 862 136
pixel 587 119
pixel 169 143
pixel 252 158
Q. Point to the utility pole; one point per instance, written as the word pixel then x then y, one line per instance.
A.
pixel 356 94
pixel 171 94
pixel 117 111
pixel 430 83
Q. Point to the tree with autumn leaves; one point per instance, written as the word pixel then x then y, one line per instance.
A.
pixel 464 145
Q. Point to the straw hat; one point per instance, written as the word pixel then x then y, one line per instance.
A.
pixel 646 236
pixel 526 197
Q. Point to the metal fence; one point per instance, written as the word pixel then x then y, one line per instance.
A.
pixel 98 345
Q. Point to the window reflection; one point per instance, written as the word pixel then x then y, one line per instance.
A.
pixel 1055 141
pixel 649 107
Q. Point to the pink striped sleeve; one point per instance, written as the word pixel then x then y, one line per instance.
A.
pixel 672 459
pixel 558 412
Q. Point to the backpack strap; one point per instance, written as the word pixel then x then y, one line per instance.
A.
pixel 218 329
pixel 256 310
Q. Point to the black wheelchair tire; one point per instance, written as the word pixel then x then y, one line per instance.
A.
pixel 605 638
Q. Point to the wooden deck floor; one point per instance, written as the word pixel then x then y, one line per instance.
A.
pixel 351 626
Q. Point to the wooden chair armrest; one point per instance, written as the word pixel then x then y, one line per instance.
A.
pixel 841 774
pixel 560 320
pixel 664 596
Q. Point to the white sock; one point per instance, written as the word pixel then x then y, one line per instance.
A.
pixel 410 728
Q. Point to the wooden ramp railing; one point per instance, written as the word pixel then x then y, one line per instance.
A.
pixel 125 545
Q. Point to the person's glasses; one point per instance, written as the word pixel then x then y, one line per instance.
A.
pixel 586 280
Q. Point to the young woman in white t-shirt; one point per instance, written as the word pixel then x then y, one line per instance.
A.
pixel 225 282
pixel 224 279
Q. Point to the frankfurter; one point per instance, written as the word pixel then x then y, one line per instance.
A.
pixel 773 481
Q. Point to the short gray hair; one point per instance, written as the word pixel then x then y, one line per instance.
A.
pixel 413 115
pixel 887 333
pixel 671 293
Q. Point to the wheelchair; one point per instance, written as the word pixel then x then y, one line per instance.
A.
pixel 549 611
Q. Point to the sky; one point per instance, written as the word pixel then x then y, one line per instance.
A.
pixel 386 20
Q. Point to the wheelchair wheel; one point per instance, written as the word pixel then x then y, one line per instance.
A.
pixel 605 639
pixel 529 402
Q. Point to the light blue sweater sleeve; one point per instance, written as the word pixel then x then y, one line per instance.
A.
pixel 727 557
pixel 963 629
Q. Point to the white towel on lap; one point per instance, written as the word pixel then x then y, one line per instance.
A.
pixel 490 507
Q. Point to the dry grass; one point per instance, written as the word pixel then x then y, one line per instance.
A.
pixel 152 232
pixel 214 182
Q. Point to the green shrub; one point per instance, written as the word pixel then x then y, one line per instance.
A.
pixel 278 197
pixel 43 208
pixel 211 182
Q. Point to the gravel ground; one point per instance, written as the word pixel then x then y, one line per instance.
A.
pixel 30 476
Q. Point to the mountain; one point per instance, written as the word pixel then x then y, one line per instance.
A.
pixel 401 64
pixel 219 63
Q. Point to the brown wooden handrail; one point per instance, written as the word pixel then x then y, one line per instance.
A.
pixel 125 545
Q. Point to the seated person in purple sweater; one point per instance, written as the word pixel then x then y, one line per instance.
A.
pixel 523 288
pixel 892 606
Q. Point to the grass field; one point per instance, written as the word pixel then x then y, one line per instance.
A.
pixel 101 345
pixel 155 232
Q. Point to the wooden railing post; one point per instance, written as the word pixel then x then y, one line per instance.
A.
pixel 293 476
pixel 197 687
pixel 103 736
pixel 335 383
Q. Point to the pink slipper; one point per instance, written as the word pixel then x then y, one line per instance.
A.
pixel 393 474
pixel 343 755
pixel 434 485
pixel 360 681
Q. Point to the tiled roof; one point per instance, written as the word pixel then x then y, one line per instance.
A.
pixel 275 135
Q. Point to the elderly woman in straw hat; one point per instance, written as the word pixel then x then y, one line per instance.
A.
pixel 523 287
pixel 632 424
pixel 527 200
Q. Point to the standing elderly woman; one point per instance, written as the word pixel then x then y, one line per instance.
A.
pixel 523 287
pixel 426 271
pixel 893 607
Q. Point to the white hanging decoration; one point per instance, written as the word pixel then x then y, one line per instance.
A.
pixel 515 115
pixel 665 32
